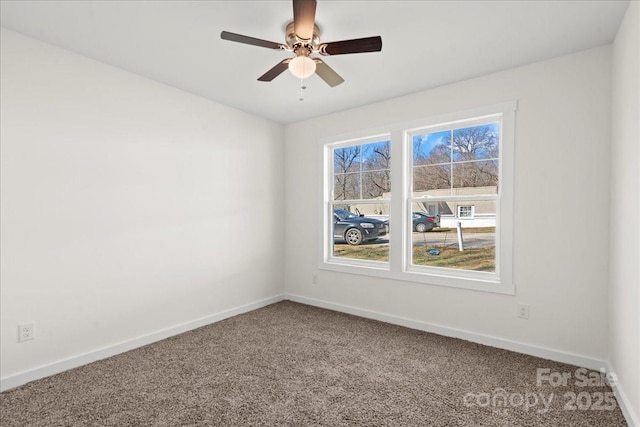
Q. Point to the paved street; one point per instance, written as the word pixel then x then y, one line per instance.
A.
pixel 445 239
pixel 442 239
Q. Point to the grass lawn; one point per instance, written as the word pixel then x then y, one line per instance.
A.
pixel 480 259
pixel 369 252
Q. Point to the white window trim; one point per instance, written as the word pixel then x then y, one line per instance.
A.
pixel 399 267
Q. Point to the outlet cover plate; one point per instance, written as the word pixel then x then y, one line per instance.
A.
pixel 26 331
pixel 523 311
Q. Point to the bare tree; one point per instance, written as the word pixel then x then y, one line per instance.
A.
pixel 377 163
pixel 433 168
pixel 464 158
pixel 480 142
pixel 431 177
pixel 478 148
pixel 362 171
pixel 346 163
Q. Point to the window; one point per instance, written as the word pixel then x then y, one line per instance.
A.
pixel 457 165
pixel 465 211
pixel 444 219
pixel 359 203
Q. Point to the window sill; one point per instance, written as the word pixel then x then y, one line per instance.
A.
pixel 381 270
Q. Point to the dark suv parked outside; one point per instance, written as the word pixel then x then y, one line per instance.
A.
pixel 423 222
pixel 355 229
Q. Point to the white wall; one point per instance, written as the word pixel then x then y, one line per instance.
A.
pixel 562 167
pixel 128 207
pixel 624 291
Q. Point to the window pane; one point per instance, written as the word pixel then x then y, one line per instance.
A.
pixel 346 159
pixel 429 178
pixel 346 186
pixel 432 208
pixel 376 184
pixel 357 235
pixel 476 177
pixel 362 171
pixel 475 143
pixel 376 156
pixel 432 148
pixel 439 247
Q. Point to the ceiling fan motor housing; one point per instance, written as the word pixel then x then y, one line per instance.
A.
pixel 302 47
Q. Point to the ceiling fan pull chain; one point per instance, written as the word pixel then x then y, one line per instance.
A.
pixel 302 87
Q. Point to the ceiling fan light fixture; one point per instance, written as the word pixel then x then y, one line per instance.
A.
pixel 302 38
pixel 302 67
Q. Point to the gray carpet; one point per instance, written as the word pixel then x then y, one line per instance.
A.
pixel 292 364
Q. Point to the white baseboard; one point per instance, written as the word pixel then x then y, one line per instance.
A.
pixel 21 378
pixel 623 400
pixel 545 353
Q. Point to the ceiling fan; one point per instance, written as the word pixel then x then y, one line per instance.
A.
pixel 303 39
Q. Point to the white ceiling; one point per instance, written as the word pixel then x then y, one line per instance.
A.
pixel 425 44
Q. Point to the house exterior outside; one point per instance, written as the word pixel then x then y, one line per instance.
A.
pixel 470 213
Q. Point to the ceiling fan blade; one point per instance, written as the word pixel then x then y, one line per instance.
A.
pixel 327 73
pixel 275 71
pixel 304 17
pixel 367 44
pixel 225 35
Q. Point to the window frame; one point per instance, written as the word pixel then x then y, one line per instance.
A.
pixel 399 266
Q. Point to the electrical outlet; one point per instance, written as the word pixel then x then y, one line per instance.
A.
pixel 523 311
pixel 314 278
pixel 26 331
